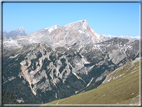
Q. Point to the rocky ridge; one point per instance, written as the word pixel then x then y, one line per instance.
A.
pixel 19 31
pixel 119 87
pixel 74 60
pixel 78 33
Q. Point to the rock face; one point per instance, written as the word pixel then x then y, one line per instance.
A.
pixel 75 59
pixel 77 33
pixel 19 31
pixel 119 87
pixel 130 68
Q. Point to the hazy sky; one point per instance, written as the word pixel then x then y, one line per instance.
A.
pixel 105 18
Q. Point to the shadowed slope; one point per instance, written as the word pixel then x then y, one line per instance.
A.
pixel 121 90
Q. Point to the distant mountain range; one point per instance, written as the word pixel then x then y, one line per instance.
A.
pixel 19 31
pixel 125 37
pixel 58 62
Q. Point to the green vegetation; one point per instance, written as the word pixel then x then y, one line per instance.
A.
pixel 21 91
pixel 12 67
pixel 122 90
pixel 10 98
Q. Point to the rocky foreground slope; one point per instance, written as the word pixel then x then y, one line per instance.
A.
pixel 58 62
pixel 119 87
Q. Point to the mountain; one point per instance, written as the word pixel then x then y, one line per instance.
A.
pixel 128 37
pixel 119 87
pixel 78 33
pixel 19 31
pixel 58 62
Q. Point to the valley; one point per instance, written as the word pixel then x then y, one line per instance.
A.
pixel 119 87
pixel 59 62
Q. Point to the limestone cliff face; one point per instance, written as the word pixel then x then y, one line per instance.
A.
pixel 71 69
pixel 74 33
pixel 58 62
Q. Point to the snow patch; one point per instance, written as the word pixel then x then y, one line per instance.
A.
pixel 20 100
pixel 85 24
pixel 53 28
pixel 90 82
pixel 11 57
pixel 122 36
pixel 55 95
pixel 80 31
pixel 11 78
pixel 78 76
pixel 118 76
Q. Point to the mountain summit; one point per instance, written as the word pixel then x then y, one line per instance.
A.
pixel 58 62
pixel 76 33
pixel 19 31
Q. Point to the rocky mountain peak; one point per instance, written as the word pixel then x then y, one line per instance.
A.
pixel 50 29
pixel 77 25
pixel 19 31
pixel 57 62
pixel 76 33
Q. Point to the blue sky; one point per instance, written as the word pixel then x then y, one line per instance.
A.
pixel 105 18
